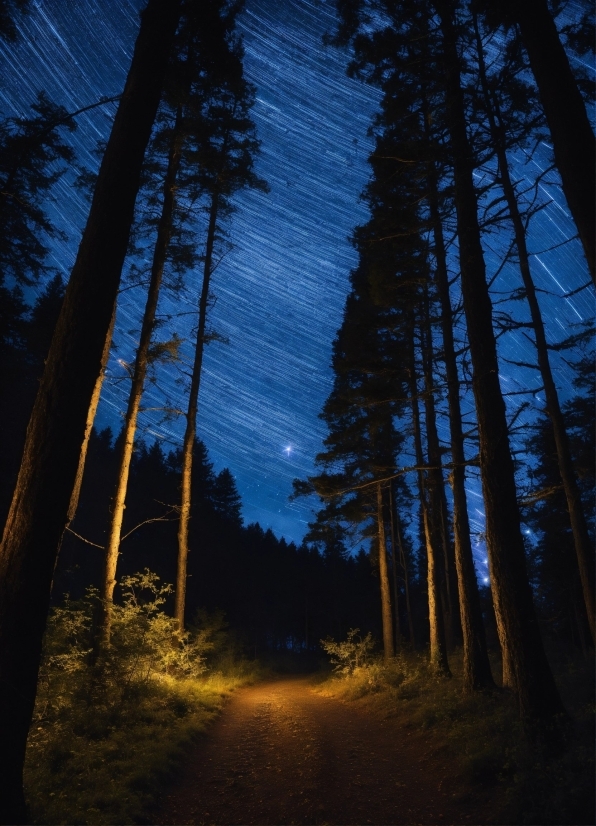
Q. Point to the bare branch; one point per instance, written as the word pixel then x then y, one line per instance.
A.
pixel 82 538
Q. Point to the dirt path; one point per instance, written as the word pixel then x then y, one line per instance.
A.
pixel 282 754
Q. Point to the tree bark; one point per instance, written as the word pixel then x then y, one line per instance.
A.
pixel 436 485
pixel 96 395
pixel 402 556
pixel 394 578
pixel 438 642
pixel 581 537
pixel 538 697
pixel 191 422
pixel 40 505
pixel 388 648
pixel 572 136
pixel 164 234
pixel 476 665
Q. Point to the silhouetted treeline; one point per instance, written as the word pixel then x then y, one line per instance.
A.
pixel 275 595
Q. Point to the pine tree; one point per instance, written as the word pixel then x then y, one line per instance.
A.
pixel 9 12
pixel 583 544
pixel 520 638
pixel 226 499
pixel 406 166
pixel 362 443
pixel 476 665
pixel 410 23
pixel 33 157
pixel 224 158
pixel 546 512
pixel 40 504
pixel 429 511
pixel 187 68
pixel 23 349
pixel 572 136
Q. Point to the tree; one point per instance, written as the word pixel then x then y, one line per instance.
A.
pixel 362 443
pixel 9 9
pixel 539 701
pixel 226 499
pixel 564 108
pixel 583 545
pixel 23 349
pixel 40 504
pixel 558 586
pixel 224 159
pixel 195 77
pixel 429 508
pixel 476 665
pixel 410 163
pixel 142 362
pixel 388 640
pixel 32 159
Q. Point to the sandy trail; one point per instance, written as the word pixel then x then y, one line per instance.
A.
pixel 282 754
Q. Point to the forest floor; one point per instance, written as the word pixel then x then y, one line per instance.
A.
pixel 281 753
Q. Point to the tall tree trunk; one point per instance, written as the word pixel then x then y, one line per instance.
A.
pixel 306 621
pixel 191 422
pixel 476 665
pixel 404 565
pixel 438 642
pixel 394 577
pixel 164 234
pixel 40 505
pixel 96 395
pixel 436 484
pixel 388 647
pixel 539 700
pixel 572 136
pixel 581 537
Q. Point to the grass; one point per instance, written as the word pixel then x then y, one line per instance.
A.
pixel 482 736
pixel 103 765
pixel 109 735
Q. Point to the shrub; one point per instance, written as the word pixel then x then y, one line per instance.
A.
pixel 108 731
pixel 353 653
pixel 483 736
pixel 145 641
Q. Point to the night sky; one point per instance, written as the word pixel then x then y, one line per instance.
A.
pixel 280 290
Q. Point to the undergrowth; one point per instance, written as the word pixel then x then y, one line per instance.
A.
pixel 481 733
pixel 109 732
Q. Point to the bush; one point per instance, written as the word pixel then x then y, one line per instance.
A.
pixel 107 732
pixel 353 653
pixel 483 736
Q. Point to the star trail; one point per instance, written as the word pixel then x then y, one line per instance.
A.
pixel 280 288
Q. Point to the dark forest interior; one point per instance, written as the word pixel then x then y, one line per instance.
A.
pixel 442 584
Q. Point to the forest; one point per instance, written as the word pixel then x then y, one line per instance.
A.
pixel 445 579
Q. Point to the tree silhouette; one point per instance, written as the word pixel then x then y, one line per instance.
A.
pixel 224 157
pixel 525 662
pixel 40 504
pixel 572 136
pixel 33 157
